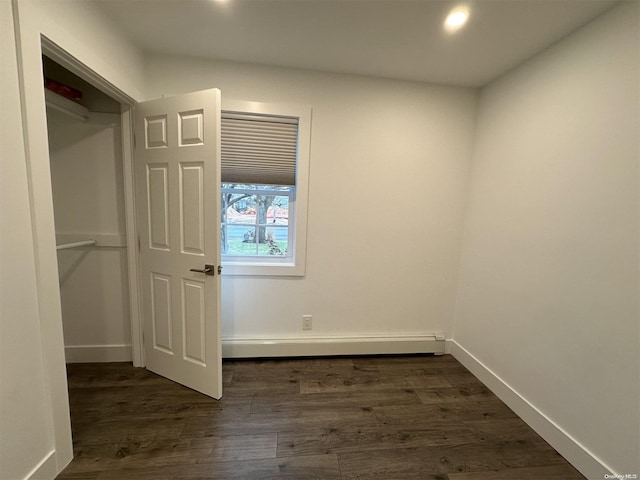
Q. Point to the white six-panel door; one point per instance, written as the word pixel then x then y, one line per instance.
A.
pixel 177 157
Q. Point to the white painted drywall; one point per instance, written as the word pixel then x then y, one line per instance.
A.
pixel 88 201
pixel 86 33
pixel 388 175
pixel 25 425
pixel 548 296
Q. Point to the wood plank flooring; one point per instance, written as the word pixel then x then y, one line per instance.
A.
pixel 388 417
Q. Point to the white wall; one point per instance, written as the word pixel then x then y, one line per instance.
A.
pixel 25 424
pixel 548 296
pixel 388 175
pixel 81 30
pixel 85 32
pixel 88 201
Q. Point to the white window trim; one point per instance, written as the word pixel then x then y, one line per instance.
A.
pixel 295 265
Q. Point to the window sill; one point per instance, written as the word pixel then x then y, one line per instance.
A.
pixel 266 269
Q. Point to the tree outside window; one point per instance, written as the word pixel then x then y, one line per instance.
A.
pixel 255 220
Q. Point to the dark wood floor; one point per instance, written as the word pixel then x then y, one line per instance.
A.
pixel 418 417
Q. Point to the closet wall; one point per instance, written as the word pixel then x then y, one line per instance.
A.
pixel 88 198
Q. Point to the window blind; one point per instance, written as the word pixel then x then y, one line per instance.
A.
pixel 258 149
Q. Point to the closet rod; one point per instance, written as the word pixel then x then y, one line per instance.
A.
pixel 64 246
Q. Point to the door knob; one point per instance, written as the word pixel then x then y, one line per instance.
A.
pixel 208 270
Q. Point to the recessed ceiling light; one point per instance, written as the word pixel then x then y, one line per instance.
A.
pixel 456 19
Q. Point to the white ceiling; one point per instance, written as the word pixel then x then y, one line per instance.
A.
pixel 401 39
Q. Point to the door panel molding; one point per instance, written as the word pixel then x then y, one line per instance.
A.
pixel 177 167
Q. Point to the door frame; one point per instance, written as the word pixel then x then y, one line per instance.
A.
pixel 65 59
pixel 31 42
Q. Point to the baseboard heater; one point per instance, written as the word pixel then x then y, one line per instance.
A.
pixel 327 346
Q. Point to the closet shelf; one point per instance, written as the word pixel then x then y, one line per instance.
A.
pixel 84 243
pixel 64 105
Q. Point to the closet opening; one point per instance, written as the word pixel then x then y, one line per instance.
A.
pixel 87 182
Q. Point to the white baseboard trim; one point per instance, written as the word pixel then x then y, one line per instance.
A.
pixel 326 346
pixel 447 346
pixel 98 353
pixel 571 449
pixel 46 469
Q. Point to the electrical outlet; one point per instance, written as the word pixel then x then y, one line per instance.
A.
pixel 307 322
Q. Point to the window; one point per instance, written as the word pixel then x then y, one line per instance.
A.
pixel 255 220
pixel 264 175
